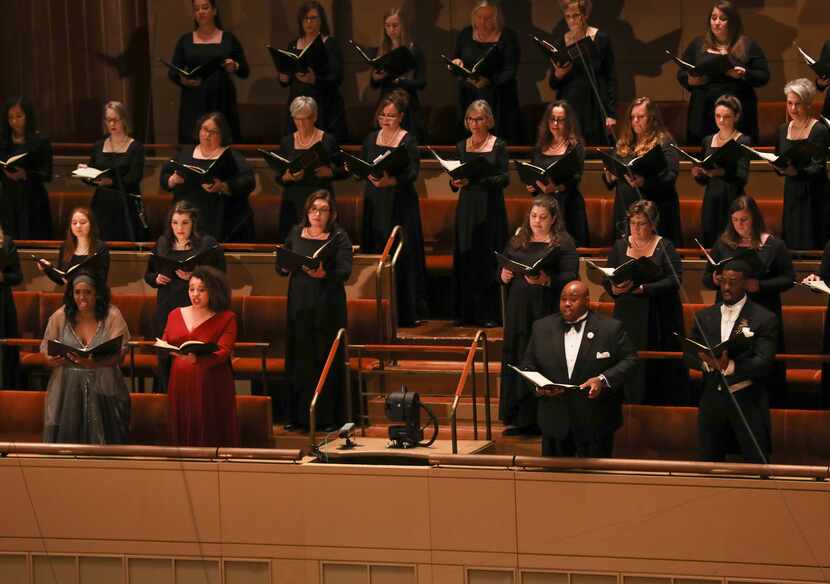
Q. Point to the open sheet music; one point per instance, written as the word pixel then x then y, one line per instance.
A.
pixel 98 353
pixel 651 163
pixel 289 62
pixel 725 156
pixel 558 171
pixel 543 384
pixel 474 170
pixel 481 68
pixel 638 271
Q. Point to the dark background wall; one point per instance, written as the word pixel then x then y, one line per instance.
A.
pixel 72 55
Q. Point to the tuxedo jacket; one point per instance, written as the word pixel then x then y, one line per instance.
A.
pixel 755 362
pixel 605 349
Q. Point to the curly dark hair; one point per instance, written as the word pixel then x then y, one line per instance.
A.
pixel 102 297
pixel 558 232
pixel 219 292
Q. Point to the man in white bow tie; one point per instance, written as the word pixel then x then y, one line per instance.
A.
pixel 743 374
pixel 587 349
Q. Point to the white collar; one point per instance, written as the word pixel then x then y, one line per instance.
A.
pixel 733 308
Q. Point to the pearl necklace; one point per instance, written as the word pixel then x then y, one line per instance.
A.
pixel 389 142
pixel 305 144
pixel 475 147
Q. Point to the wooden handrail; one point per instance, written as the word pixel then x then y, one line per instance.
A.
pixel 396 234
pixel 459 389
pixel 633 465
pixel 340 339
pixel 171 452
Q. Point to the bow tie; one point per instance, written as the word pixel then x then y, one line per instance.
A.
pixel 574 326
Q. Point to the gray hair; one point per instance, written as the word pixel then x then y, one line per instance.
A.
pixel 121 111
pixel 301 104
pixel 803 88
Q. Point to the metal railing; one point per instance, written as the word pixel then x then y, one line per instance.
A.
pixel 396 234
pixel 479 342
pixel 341 339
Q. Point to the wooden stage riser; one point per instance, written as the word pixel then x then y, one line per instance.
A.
pixel 432 182
pixel 119 521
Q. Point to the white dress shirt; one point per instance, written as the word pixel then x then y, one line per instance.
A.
pixel 728 315
pixel 573 340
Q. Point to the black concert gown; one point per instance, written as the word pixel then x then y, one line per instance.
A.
pixel 9 356
pixel 825 367
pixel 778 277
pixel 217 93
pixel 661 189
pixel 651 319
pixel 804 224
pixel 571 202
pixel 102 265
pixel 701 116
pixel 227 217
pixel 503 92
pixel 331 109
pixel 118 208
pixel 24 205
pixel 383 209
pixel 411 82
pixel 576 89
pixel 720 192
pixel 825 58
pixel 316 311
pixel 480 230
pixel 526 304
pixel 294 194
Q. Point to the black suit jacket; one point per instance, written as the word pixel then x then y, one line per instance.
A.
pixel 605 349
pixel 754 363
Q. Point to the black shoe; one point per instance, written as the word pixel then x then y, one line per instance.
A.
pixel 328 429
pixel 290 427
pixel 511 431
pixel 488 324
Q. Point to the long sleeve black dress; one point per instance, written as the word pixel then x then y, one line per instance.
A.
pixel 651 319
pixel 331 109
pixel 825 58
pixel 720 192
pixel 576 89
pixel 662 189
pixel 24 207
pixel 701 117
pixel 101 265
pixel 571 202
pixel 804 224
pixel 527 303
pixel 227 217
pixel 294 194
pixel 118 208
pixel 217 92
pixel 383 208
pixel 778 277
pixel 316 311
pixel 411 82
pixel 503 92
pixel 175 293
pixel 12 276
pixel 480 230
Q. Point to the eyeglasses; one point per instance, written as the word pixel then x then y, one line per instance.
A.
pixel 388 116
pixel 471 120
pixel 311 18
pixel 558 120
pixel 210 132
pixel 320 210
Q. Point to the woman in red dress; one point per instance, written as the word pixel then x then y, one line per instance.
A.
pixel 202 405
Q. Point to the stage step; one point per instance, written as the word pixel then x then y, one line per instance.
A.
pixel 440 406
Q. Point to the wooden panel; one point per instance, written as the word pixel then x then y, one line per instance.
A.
pixel 593 579
pixel 94 570
pixel 242 572
pixel 345 574
pixel 392 575
pixel 197 572
pixel 55 570
pixel 155 570
pixel 13 569
pixel 483 576
pixel 544 578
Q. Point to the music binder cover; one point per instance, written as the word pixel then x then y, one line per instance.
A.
pixel 199 72
pixel 651 163
pixel 477 169
pixel 481 68
pixel 393 162
pixel 735 344
pixel 187 348
pixel 820 68
pixel 520 269
pixel 558 171
pixel 800 154
pixel 543 383
pixel 744 254
pixel 10 164
pixel 727 156
pixel 289 62
pixel 221 168
pixel 639 271
pixel 168 265
pixel 98 353
pixel 290 261
pixel 310 159
pixel 710 65
pixel 90 263
pixel 395 63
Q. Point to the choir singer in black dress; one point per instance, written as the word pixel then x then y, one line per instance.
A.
pixel 325 76
pixel 316 312
pixel 497 85
pixel 395 35
pixel 724 36
pixel 224 210
pixel 804 222
pixel 10 275
pixel 24 205
pixel 743 373
pixel 651 312
pixel 117 202
pixel 529 298
pixel 559 133
pixel 182 239
pixel 83 244
pixel 823 82
pixel 643 131
pixel 824 275
pixel 206 45
pixel 583 348
pixel 296 187
pixel 747 230
pixel 723 184
pixel 392 200
pixel 575 81
pixel 480 222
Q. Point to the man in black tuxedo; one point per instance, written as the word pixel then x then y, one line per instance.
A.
pixel 719 421
pixel 587 349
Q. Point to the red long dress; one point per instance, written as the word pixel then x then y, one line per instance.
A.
pixel 202 405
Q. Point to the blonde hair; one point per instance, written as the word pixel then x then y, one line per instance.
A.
pixel 385 45
pixel 489 4
pixel 121 111
pixel 482 107
pixel 656 133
